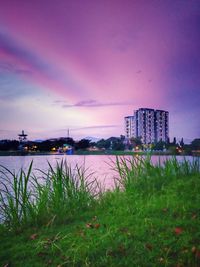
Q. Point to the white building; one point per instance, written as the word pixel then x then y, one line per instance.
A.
pixel 145 125
pixel 149 124
pixel 161 125
pixel 129 126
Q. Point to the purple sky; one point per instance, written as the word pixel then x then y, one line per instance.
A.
pixel 85 65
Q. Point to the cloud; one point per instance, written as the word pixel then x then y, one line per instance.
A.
pixel 94 103
pixel 95 127
pixel 5 134
pixel 12 87
pixel 7 68
pixel 18 59
pixel 139 71
pixel 5 131
pixel 10 47
pixel 73 129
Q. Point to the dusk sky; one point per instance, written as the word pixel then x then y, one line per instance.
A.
pixel 85 65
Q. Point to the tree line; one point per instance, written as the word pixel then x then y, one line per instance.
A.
pixel 112 143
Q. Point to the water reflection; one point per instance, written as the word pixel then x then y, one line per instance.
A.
pixel 102 166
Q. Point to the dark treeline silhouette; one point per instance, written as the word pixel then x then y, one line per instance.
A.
pixel 6 145
pixel 46 145
pixel 112 143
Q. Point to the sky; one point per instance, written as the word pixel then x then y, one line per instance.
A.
pixel 85 65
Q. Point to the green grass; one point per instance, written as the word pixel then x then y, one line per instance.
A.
pixel 57 195
pixel 152 218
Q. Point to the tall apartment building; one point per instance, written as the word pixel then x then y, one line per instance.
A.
pixel 129 126
pixel 161 125
pixel 149 124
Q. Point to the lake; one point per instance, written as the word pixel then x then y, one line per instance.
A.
pixel 100 165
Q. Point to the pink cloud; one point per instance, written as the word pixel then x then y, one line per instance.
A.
pixel 107 51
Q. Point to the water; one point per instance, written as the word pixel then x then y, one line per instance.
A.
pixel 100 165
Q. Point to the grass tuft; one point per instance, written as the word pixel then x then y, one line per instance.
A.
pixel 54 196
pixel 151 218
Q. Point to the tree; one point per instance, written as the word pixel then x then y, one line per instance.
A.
pixel 70 141
pixel 172 150
pixel 103 144
pixel 195 144
pixel 9 145
pixel 168 141
pixel 159 145
pixel 118 144
pixel 181 143
pixel 136 141
pixel 45 145
pixel 83 144
pixel 174 141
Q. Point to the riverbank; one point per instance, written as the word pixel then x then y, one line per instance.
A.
pixel 153 221
pixel 86 152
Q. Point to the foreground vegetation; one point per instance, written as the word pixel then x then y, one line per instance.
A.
pixel 62 218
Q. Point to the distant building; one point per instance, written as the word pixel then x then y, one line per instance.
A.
pixel 144 125
pixel 148 124
pixel 23 141
pixel 22 137
pixel 129 126
pixel 161 125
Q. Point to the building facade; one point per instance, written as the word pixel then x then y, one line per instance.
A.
pixel 129 126
pixel 150 125
pixel 161 125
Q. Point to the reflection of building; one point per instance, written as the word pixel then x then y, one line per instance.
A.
pixel 149 124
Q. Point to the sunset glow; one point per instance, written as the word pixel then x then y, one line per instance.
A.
pixel 85 65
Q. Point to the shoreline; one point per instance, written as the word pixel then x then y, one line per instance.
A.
pixel 93 153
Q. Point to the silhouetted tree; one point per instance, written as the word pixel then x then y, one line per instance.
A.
pixel 136 141
pixel 46 145
pixel 181 143
pixel 195 144
pixel 174 141
pixel 116 143
pixel 103 144
pixel 167 144
pixel 159 145
pixel 70 141
pixel 6 145
pixel 82 144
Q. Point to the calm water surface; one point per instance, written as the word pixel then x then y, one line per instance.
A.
pixel 100 165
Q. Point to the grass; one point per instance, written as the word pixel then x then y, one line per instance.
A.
pixel 152 218
pixel 27 200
